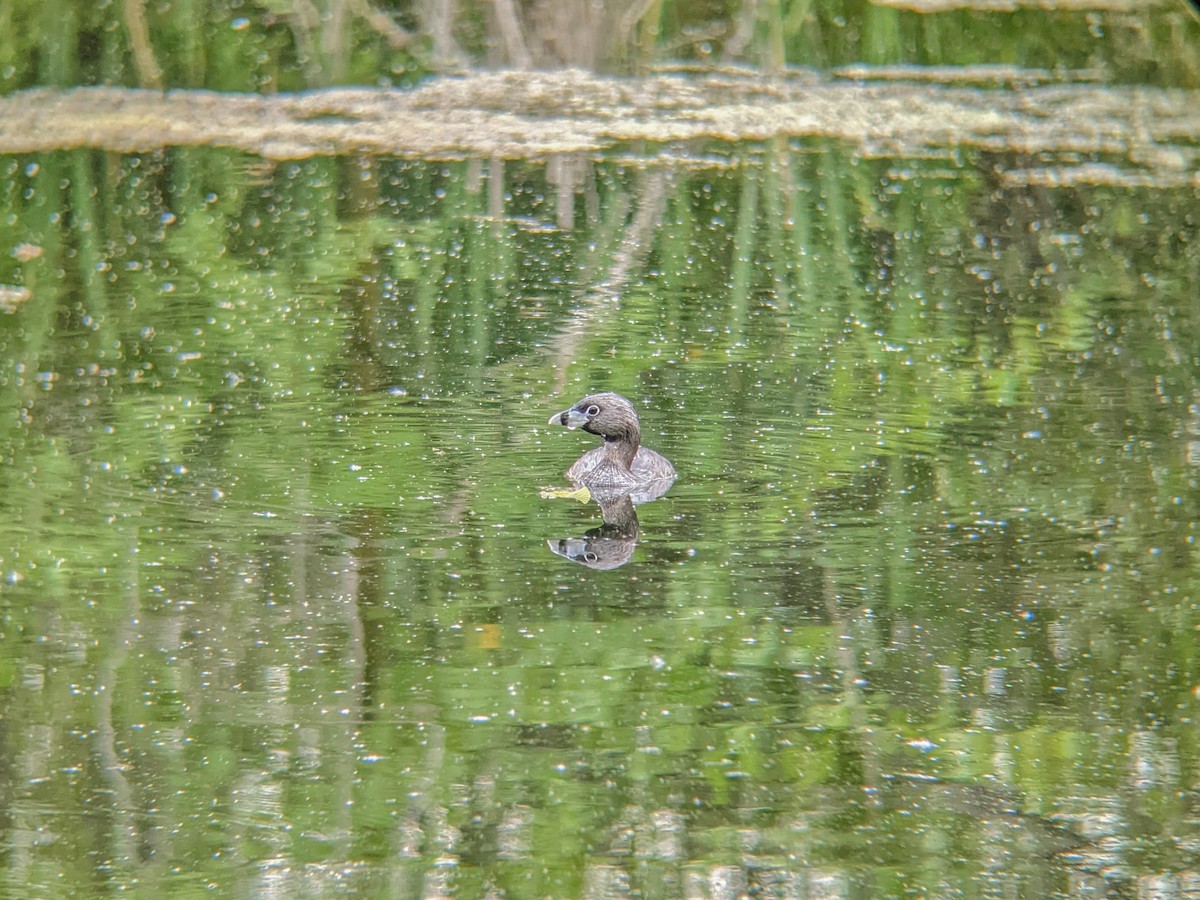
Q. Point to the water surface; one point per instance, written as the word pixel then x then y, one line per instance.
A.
pixel 278 614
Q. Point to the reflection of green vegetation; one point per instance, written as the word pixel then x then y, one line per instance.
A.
pixel 285 46
pixel 272 459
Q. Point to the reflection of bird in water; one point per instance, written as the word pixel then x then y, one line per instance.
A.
pixel 621 465
pixel 608 546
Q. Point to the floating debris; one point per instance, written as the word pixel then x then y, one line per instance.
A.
pixel 534 115
pixel 1095 174
pixel 12 296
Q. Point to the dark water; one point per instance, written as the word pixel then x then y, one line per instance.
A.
pixel 279 616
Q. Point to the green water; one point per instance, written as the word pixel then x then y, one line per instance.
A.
pixel 278 614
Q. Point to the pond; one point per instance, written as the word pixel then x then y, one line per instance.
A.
pixel 284 610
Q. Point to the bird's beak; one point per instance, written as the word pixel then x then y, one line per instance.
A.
pixel 572 418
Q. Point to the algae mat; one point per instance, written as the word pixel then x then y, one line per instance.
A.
pixel 1073 130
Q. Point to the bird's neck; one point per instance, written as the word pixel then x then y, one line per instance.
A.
pixel 622 448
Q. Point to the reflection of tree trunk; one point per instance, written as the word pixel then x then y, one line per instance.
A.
pixel 367 653
pixel 125 833
pixel 747 20
pixel 630 252
pixel 420 831
pixel 566 173
pixel 31 766
pixel 516 53
pixel 305 21
pixel 148 73
pixel 576 33
pixel 364 296
pixel 644 15
pixel 496 192
pixel 324 35
pixel 334 46
pixel 381 22
pixel 844 651
pixel 437 19
pixel 356 660
pixel 638 239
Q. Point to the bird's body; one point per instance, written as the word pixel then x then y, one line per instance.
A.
pixel 621 463
pixel 599 463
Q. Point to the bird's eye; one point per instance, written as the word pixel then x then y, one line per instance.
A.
pixel 593 410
